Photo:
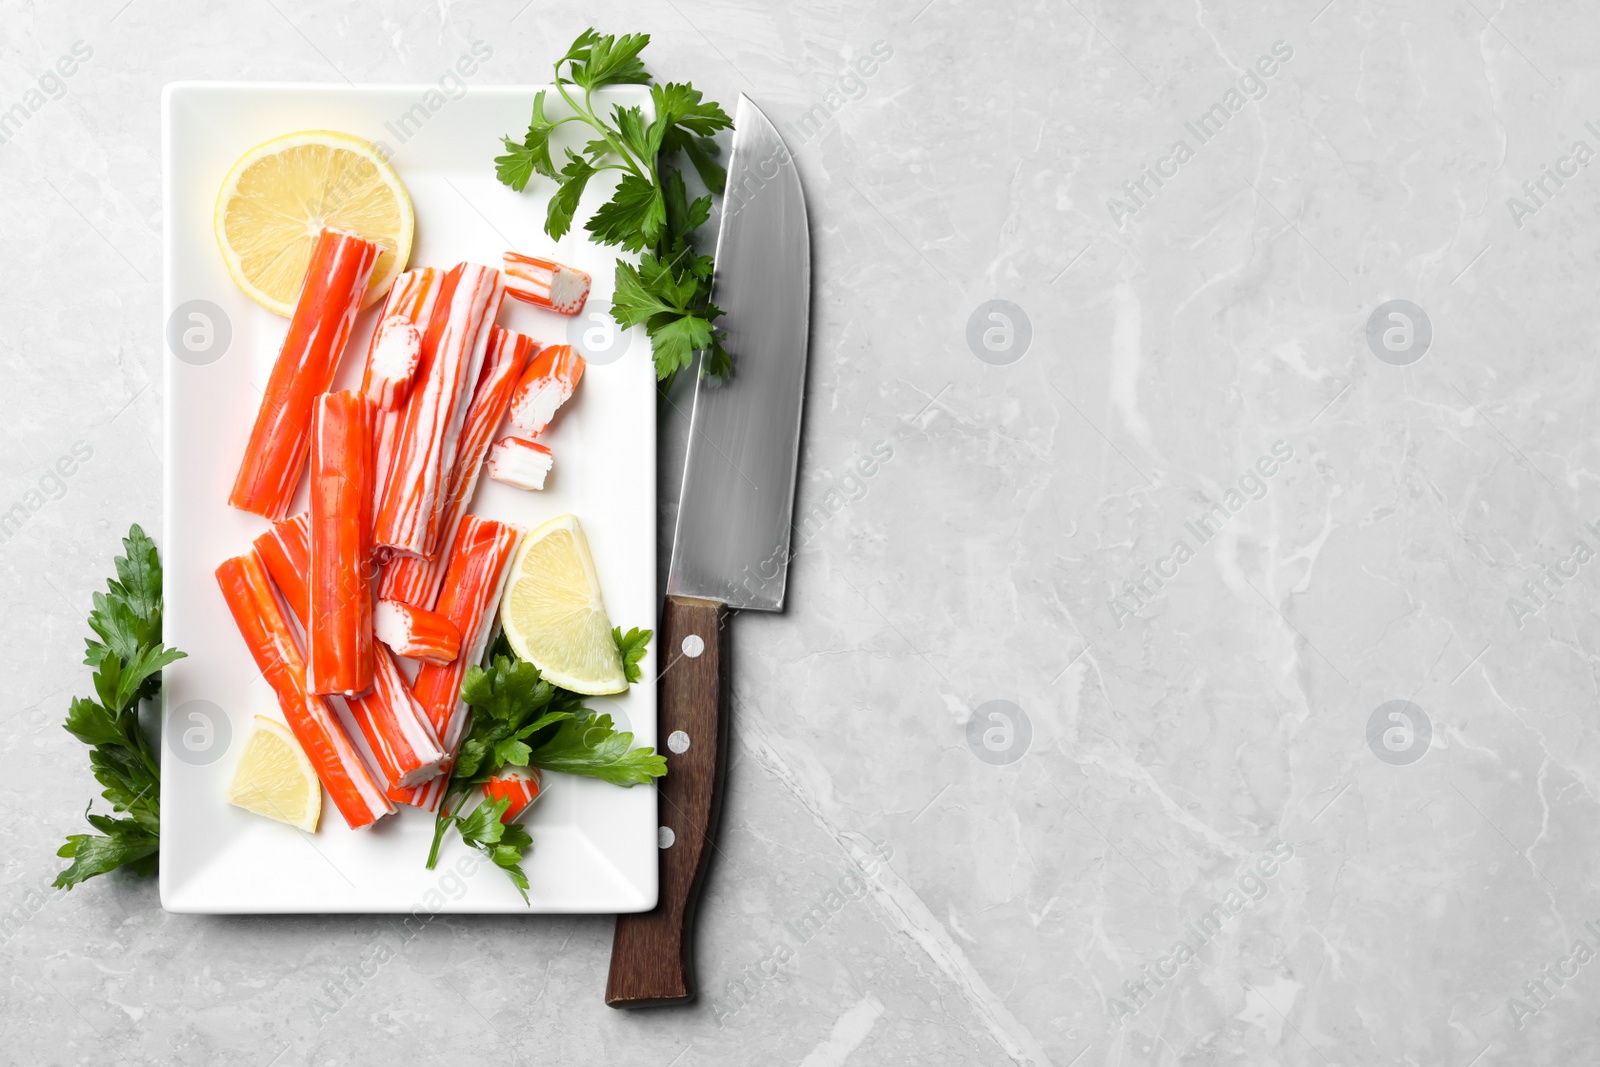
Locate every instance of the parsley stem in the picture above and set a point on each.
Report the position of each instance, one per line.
(440, 822)
(586, 114)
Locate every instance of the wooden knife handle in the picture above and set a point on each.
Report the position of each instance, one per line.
(652, 954)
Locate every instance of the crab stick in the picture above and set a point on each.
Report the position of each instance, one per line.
(425, 446)
(520, 785)
(520, 463)
(416, 633)
(415, 580)
(548, 383)
(339, 639)
(285, 552)
(330, 296)
(546, 283)
(402, 740)
(412, 301)
(259, 615)
(480, 559)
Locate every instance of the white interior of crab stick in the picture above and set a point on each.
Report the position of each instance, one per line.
(391, 624)
(568, 290)
(394, 359)
(537, 406)
(520, 463)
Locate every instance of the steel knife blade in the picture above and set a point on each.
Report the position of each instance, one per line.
(732, 537)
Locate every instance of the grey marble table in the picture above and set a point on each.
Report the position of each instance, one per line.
(1190, 658)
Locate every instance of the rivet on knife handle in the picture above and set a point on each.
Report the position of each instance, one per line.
(652, 954)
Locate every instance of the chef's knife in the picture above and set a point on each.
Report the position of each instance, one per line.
(730, 550)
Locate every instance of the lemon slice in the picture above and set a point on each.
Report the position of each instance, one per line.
(275, 779)
(281, 194)
(553, 615)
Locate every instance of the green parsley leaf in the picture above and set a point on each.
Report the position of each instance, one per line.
(483, 825)
(631, 646)
(645, 291)
(123, 843)
(93, 724)
(575, 177)
(682, 105)
(677, 339)
(702, 153)
(683, 217)
(587, 744)
(635, 131)
(665, 302)
(502, 843)
(633, 218)
(510, 702)
(687, 124)
(505, 689)
(594, 60)
(516, 166)
(513, 751)
(127, 616)
(532, 155)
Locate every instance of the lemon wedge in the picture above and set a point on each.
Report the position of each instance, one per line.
(553, 615)
(275, 779)
(281, 194)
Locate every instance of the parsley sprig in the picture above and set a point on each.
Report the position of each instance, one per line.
(521, 720)
(127, 655)
(650, 212)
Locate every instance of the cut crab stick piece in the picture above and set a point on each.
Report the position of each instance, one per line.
(416, 633)
(520, 463)
(480, 559)
(546, 283)
(285, 552)
(402, 740)
(548, 383)
(409, 519)
(259, 615)
(398, 731)
(339, 638)
(392, 362)
(520, 785)
(415, 580)
(330, 297)
(412, 300)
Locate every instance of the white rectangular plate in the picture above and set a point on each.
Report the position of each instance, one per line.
(594, 844)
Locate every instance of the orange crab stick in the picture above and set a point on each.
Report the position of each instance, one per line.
(411, 301)
(285, 552)
(330, 296)
(339, 639)
(520, 463)
(402, 740)
(415, 580)
(425, 448)
(398, 733)
(520, 785)
(546, 283)
(416, 633)
(259, 615)
(548, 383)
(480, 559)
